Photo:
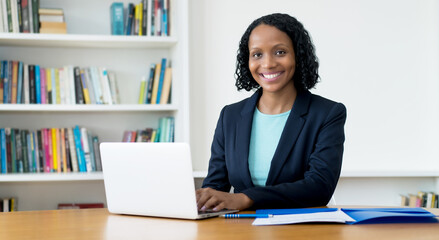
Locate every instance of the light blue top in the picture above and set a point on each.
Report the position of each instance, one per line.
(265, 135)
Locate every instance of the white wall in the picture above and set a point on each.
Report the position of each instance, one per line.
(379, 58)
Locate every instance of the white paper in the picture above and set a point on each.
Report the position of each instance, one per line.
(333, 217)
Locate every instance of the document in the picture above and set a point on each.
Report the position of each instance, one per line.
(334, 217)
(345, 215)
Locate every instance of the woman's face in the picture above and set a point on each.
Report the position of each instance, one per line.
(272, 60)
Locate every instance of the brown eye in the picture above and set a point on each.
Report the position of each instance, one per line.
(256, 55)
(280, 52)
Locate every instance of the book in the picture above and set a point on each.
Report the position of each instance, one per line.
(114, 89)
(43, 89)
(117, 18)
(129, 18)
(25, 151)
(86, 149)
(53, 27)
(54, 150)
(25, 16)
(345, 215)
(161, 79)
(78, 86)
(63, 150)
(96, 152)
(84, 86)
(140, 6)
(13, 152)
(4, 168)
(32, 97)
(150, 83)
(19, 151)
(166, 86)
(72, 147)
(91, 151)
(37, 84)
(79, 150)
(145, 17)
(105, 86)
(155, 85)
(20, 83)
(19, 16)
(142, 90)
(47, 165)
(14, 81)
(1, 81)
(35, 7)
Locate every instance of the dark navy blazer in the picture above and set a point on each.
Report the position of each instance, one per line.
(306, 164)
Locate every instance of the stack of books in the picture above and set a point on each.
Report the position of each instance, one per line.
(52, 20)
(23, 83)
(156, 87)
(164, 133)
(49, 150)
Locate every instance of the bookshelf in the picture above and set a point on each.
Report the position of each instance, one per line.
(89, 43)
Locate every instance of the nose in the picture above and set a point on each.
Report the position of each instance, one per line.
(268, 61)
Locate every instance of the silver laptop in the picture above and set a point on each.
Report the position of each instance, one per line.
(151, 179)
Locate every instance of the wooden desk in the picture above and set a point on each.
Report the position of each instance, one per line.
(100, 224)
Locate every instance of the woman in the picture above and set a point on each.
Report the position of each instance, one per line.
(283, 146)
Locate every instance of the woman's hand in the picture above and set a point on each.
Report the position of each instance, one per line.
(208, 198)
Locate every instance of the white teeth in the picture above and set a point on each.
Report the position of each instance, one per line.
(270, 76)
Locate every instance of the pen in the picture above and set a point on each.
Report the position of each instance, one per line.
(246, 215)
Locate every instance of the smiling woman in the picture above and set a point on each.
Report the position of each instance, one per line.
(283, 146)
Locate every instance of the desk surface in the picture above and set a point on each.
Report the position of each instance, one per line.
(100, 224)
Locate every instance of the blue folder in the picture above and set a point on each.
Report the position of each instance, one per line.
(367, 215)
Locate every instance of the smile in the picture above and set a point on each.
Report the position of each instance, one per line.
(270, 76)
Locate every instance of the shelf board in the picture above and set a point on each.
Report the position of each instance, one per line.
(55, 177)
(84, 41)
(385, 174)
(47, 177)
(86, 107)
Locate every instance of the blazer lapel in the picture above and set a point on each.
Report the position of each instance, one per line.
(289, 136)
(243, 134)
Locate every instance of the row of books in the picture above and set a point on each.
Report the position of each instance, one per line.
(49, 150)
(19, 16)
(23, 83)
(156, 88)
(164, 133)
(8, 204)
(422, 199)
(147, 18)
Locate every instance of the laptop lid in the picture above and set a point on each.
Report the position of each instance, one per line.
(150, 179)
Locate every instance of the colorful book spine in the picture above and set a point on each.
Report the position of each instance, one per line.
(46, 150)
(43, 89)
(54, 150)
(25, 151)
(37, 84)
(14, 81)
(32, 97)
(57, 86)
(4, 168)
(162, 77)
(91, 150)
(97, 155)
(58, 150)
(72, 148)
(86, 148)
(49, 85)
(26, 84)
(129, 21)
(54, 89)
(79, 151)
(13, 152)
(20, 83)
(117, 18)
(63, 150)
(36, 152)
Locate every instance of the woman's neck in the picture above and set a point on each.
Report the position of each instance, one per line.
(277, 103)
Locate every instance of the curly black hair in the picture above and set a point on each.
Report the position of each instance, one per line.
(307, 65)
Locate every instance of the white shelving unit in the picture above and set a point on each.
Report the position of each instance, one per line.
(89, 43)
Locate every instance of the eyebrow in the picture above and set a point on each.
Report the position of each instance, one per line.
(275, 46)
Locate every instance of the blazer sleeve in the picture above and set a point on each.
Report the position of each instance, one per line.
(321, 173)
(217, 177)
